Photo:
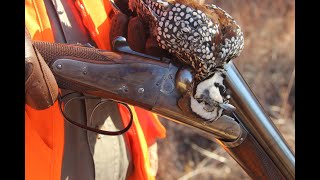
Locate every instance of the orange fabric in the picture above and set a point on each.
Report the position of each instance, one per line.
(37, 21)
(138, 145)
(44, 130)
(151, 126)
(44, 139)
(148, 128)
(95, 18)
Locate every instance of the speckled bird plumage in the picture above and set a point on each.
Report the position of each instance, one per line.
(204, 37)
(203, 41)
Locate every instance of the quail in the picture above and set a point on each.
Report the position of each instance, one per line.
(204, 37)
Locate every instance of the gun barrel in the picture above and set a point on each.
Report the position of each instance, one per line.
(253, 117)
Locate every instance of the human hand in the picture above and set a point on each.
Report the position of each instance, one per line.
(41, 89)
(133, 29)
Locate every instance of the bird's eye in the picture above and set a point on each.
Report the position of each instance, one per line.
(222, 89)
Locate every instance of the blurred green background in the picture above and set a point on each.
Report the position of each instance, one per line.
(267, 63)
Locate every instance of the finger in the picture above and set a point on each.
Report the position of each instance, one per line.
(136, 34)
(119, 26)
(152, 48)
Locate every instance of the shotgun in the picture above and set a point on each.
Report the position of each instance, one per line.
(159, 85)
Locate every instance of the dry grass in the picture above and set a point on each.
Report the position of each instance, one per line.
(267, 64)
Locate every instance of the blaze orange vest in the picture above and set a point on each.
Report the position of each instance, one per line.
(44, 130)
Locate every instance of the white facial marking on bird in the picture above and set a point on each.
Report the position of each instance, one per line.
(199, 109)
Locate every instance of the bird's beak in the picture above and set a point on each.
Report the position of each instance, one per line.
(227, 107)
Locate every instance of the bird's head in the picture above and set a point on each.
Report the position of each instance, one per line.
(211, 97)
